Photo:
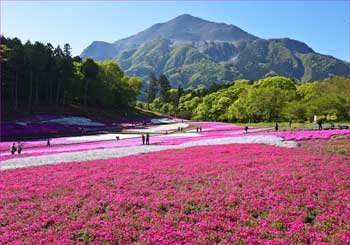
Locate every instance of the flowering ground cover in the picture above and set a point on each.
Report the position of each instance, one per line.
(211, 130)
(4, 146)
(41, 143)
(69, 144)
(58, 124)
(311, 134)
(47, 128)
(339, 145)
(173, 127)
(240, 194)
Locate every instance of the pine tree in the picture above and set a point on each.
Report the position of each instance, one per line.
(152, 88)
(179, 93)
(164, 87)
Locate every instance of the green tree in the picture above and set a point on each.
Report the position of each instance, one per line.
(15, 62)
(179, 93)
(34, 75)
(279, 82)
(90, 71)
(152, 88)
(67, 50)
(297, 111)
(164, 87)
(267, 103)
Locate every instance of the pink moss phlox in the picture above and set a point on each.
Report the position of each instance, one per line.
(250, 194)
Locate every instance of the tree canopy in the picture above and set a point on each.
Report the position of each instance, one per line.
(36, 74)
(270, 99)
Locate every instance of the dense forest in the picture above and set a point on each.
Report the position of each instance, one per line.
(38, 75)
(267, 100)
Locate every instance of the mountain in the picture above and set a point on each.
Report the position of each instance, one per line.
(184, 28)
(194, 52)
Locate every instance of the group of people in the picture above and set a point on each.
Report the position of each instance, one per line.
(18, 148)
(199, 129)
(276, 127)
(145, 139)
(179, 129)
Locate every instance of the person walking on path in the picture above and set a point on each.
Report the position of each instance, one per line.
(200, 129)
(319, 122)
(13, 148)
(290, 123)
(147, 139)
(276, 127)
(143, 139)
(246, 129)
(19, 147)
(197, 129)
(48, 144)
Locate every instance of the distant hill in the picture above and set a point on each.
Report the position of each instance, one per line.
(194, 52)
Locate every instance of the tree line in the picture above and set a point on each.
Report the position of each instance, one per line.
(38, 74)
(267, 100)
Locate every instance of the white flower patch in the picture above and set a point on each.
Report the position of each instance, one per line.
(182, 135)
(160, 128)
(81, 121)
(162, 120)
(101, 137)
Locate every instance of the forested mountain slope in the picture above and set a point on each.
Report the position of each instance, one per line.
(194, 52)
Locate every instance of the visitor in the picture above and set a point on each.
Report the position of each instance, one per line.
(147, 139)
(246, 129)
(48, 144)
(178, 129)
(143, 139)
(117, 138)
(332, 125)
(319, 122)
(290, 123)
(197, 129)
(276, 127)
(13, 148)
(200, 129)
(19, 147)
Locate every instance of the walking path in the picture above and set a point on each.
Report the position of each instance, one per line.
(107, 153)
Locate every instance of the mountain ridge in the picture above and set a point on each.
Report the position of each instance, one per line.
(185, 47)
(173, 30)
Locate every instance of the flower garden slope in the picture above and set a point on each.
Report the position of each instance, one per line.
(107, 153)
(249, 194)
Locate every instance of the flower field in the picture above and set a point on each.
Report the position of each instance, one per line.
(60, 124)
(310, 134)
(238, 194)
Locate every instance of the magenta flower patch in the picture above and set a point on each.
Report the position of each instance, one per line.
(250, 194)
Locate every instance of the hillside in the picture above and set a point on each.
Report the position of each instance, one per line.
(194, 52)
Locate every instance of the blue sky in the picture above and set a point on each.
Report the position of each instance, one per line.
(323, 25)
